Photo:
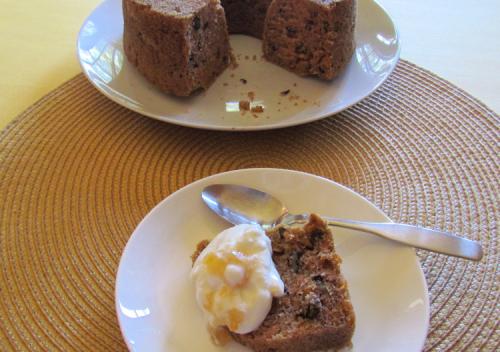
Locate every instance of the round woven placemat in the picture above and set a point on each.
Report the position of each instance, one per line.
(78, 172)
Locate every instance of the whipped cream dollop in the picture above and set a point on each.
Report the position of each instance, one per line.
(236, 280)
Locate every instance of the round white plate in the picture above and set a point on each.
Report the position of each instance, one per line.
(155, 300)
(103, 61)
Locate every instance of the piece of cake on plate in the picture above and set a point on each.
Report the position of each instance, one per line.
(275, 291)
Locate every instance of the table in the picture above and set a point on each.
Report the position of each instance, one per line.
(451, 38)
(79, 172)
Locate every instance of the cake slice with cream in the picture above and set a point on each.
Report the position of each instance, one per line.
(280, 291)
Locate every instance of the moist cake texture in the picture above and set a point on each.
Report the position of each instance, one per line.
(316, 313)
(183, 46)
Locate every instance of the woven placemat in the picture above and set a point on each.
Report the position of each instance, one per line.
(78, 172)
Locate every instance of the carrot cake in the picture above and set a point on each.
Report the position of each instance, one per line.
(183, 46)
(314, 312)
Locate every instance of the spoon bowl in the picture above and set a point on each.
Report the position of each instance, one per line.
(244, 205)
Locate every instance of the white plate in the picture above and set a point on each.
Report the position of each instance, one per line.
(155, 299)
(103, 61)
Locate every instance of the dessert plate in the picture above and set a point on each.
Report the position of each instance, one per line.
(155, 299)
(287, 98)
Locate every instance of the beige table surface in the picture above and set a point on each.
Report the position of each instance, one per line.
(456, 39)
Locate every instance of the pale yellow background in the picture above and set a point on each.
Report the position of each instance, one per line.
(457, 39)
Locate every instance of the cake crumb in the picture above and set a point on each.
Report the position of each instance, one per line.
(257, 108)
(285, 92)
(242, 80)
(225, 84)
(254, 58)
(233, 62)
(247, 57)
(251, 96)
(244, 105)
(295, 84)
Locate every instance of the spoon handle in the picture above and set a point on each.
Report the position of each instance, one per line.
(419, 237)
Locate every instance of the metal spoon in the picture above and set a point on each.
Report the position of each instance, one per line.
(244, 205)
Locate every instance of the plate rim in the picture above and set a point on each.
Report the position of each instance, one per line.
(175, 120)
(175, 194)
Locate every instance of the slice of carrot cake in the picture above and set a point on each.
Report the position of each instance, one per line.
(314, 311)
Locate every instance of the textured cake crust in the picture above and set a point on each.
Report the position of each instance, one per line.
(310, 37)
(179, 48)
(316, 312)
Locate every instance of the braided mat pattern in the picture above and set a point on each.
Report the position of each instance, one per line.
(78, 172)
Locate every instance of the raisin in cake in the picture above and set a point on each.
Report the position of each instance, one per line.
(315, 313)
(182, 46)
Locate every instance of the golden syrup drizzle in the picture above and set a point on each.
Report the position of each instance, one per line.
(208, 304)
(235, 317)
(216, 265)
(219, 335)
(225, 292)
(248, 248)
